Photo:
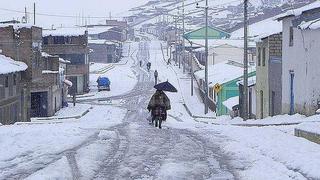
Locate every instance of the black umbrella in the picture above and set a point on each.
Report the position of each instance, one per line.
(166, 86)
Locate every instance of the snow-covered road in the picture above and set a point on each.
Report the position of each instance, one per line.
(145, 152)
(115, 141)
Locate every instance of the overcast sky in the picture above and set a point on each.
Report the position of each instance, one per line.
(93, 8)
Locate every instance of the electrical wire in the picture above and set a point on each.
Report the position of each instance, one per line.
(58, 15)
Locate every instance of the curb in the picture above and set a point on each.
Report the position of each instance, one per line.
(67, 117)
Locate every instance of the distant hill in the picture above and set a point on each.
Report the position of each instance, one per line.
(225, 14)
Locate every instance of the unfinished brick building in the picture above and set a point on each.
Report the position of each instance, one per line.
(71, 44)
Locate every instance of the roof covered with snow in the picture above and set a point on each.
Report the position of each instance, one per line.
(221, 73)
(251, 81)
(298, 11)
(17, 25)
(8, 65)
(101, 41)
(98, 29)
(314, 24)
(218, 42)
(73, 31)
(262, 28)
(231, 102)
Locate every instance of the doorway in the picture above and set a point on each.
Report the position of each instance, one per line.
(39, 104)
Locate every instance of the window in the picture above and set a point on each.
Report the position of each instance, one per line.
(259, 56)
(291, 36)
(6, 81)
(74, 58)
(263, 56)
(45, 40)
(14, 79)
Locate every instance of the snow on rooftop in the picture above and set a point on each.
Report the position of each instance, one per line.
(262, 28)
(73, 31)
(8, 65)
(98, 29)
(218, 42)
(17, 25)
(220, 73)
(100, 41)
(231, 102)
(298, 11)
(251, 81)
(314, 24)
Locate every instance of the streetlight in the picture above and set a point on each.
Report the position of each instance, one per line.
(206, 109)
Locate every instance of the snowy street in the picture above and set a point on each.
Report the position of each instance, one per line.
(114, 140)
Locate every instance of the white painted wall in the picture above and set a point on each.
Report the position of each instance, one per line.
(303, 57)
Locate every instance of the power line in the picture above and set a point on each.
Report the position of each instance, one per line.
(58, 15)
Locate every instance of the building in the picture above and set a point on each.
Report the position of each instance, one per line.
(71, 44)
(12, 91)
(300, 60)
(223, 83)
(103, 51)
(23, 42)
(252, 98)
(114, 34)
(269, 72)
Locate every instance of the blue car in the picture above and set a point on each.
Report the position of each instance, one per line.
(103, 84)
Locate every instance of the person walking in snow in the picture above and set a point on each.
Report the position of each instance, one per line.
(155, 77)
(149, 66)
(159, 104)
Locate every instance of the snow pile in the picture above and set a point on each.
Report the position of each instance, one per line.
(57, 170)
(275, 120)
(266, 153)
(310, 127)
(8, 65)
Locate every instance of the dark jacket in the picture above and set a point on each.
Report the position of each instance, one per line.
(159, 98)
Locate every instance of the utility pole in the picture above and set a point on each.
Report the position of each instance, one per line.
(25, 15)
(183, 41)
(206, 107)
(245, 63)
(34, 13)
(191, 69)
(175, 42)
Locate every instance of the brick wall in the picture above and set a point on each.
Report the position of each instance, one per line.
(10, 102)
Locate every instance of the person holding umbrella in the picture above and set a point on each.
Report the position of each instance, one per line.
(159, 103)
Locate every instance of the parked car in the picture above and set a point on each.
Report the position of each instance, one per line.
(103, 84)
